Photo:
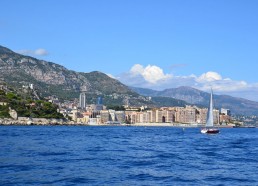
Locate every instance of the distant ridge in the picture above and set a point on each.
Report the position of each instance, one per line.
(194, 96)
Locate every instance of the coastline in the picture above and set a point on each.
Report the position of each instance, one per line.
(44, 121)
(61, 122)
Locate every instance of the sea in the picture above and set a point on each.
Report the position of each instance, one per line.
(127, 155)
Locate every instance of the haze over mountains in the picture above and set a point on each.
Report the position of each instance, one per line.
(53, 79)
(200, 98)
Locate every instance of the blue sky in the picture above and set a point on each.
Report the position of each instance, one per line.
(148, 43)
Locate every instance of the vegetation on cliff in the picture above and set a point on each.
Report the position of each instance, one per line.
(26, 107)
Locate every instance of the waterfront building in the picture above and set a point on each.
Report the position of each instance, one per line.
(216, 116)
(112, 115)
(225, 112)
(201, 115)
(153, 115)
(186, 115)
(104, 114)
(165, 116)
(131, 116)
(120, 116)
(224, 119)
(139, 117)
(147, 117)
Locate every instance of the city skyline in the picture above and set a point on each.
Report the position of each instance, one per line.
(150, 44)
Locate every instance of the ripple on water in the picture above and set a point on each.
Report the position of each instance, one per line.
(62, 155)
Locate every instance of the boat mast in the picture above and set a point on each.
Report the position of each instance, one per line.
(209, 122)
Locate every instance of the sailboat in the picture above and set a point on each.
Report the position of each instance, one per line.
(209, 127)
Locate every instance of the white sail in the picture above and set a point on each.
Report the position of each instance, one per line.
(209, 122)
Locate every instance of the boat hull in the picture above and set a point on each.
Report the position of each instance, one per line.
(210, 131)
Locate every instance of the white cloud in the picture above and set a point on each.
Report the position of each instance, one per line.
(37, 52)
(41, 52)
(137, 70)
(209, 77)
(153, 77)
(226, 86)
(151, 73)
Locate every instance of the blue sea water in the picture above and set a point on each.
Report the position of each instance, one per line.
(117, 155)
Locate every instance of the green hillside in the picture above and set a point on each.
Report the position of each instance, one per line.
(26, 107)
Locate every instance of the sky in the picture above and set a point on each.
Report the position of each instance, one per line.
(157, 44)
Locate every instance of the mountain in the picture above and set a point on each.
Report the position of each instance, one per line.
(146, 91)
(190, 95)
(53, 79)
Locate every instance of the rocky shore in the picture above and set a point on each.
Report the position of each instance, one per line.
(35, 121)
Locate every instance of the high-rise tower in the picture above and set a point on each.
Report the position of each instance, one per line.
(99, 105)
(82, 100)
